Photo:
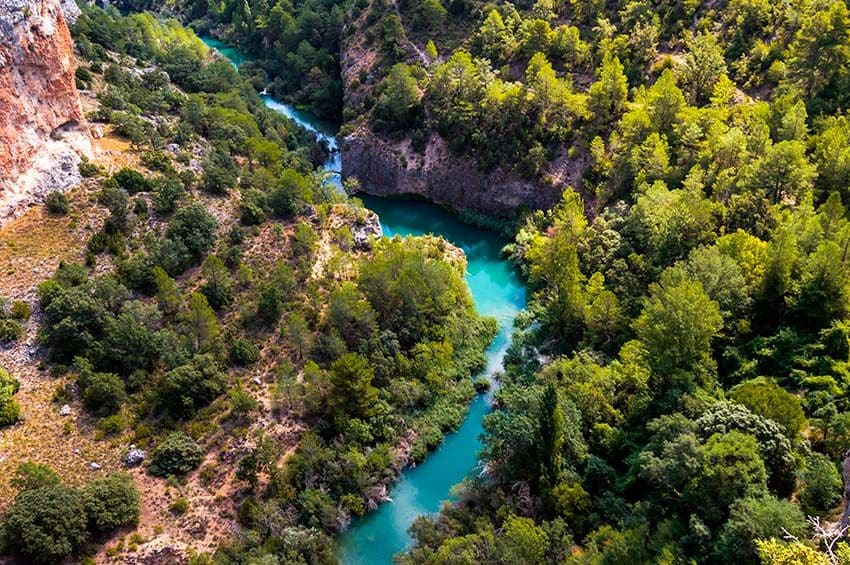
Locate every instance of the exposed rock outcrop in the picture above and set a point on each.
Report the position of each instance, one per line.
(388, 168)
(41, 134)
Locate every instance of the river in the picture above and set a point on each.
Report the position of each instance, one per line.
(497, 291)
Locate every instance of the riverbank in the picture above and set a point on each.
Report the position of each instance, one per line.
(496, 290)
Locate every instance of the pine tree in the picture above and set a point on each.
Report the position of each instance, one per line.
(201, 323)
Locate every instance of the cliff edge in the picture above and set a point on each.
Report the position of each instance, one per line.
(41, 120)
(390, 167)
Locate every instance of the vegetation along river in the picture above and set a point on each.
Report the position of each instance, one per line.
(497, 291)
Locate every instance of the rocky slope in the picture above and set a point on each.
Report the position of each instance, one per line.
(41, 132)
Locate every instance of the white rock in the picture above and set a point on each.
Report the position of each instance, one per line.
(65, 410)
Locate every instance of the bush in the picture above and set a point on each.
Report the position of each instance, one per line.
(157, 161)
(191, 386)
(57, 203)
(20, 310)
(31, 476)
(821, 488)
(179, 506)
(10, 330)
(46, 524)
(177, 454)
(195, 228)
(112, 425)
(243, 352)
(10, 412)
(132, 181)
(104, 393)
(111, 502)
(89, 169)
(756, 518)
(168, 193)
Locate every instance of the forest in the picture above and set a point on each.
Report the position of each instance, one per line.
(227, 253)
(676, 390)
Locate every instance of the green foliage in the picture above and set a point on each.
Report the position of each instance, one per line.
(194, 228)
(10, 330)
(185, 388)
(131, 181)
(398, 106)
(176, 454)
(46, 524)
(20, 310)
(821, 485)
(111, 502)
(30, 476)
(676, 326)
(352, 393)
(219, 285)
(243, 353)
(10, 411)
(767, 399)
(104, 393)
(57, 203)
(752, 519)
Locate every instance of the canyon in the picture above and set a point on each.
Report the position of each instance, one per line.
(42, 127)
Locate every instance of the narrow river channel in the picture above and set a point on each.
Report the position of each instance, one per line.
(497, 291)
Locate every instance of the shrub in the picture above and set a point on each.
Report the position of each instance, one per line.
(112, 425)
(132, 181)
(20, 310)
(177, 454)
(157, 161)
(111, 502)
(46, 524)
(756, 518)
(89, 169)
(179, 506)
(191, 386)
(10, 412)
(821, 488)
(10, 330)
(104, 393)
(168, 193)
(243, 352)
(31, 476)
(195, 228)
(270, 304)
(57, 203)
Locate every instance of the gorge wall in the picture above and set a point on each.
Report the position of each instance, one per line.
(393, 168)
(41, 120)
(387, 167)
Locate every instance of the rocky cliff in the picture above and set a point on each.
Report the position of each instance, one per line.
(393, 168)
(387, 167)
(41, 132)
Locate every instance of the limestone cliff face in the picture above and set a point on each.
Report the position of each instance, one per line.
(386, 167)
(40, 112)
(391, 168)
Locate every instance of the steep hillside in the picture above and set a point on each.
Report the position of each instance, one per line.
(41, 131)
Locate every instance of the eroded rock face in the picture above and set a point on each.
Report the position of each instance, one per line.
(389, 168)
(41, 134)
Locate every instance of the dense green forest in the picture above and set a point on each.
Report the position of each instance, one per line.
(676, 391)
(296, 45)
(226, 254)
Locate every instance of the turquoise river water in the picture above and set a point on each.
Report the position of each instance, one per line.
(497, 291)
